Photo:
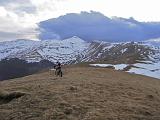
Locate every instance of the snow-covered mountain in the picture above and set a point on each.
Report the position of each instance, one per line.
(133, 57)
(64, 51)
(138, 57)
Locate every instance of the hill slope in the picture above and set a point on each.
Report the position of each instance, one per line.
(84, 93)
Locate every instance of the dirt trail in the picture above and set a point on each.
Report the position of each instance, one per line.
(84, 93)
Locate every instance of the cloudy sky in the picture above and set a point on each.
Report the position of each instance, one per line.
(18, 18)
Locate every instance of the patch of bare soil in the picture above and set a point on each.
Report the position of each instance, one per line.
(84, 93)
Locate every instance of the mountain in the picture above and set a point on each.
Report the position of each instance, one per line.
(77, 50)
(84, 93)
(139, 57)
(34, 51)
(95, 26)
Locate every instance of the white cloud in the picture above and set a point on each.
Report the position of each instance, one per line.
(143, 10)
(17, 23)
(3, 12)
(20, 17)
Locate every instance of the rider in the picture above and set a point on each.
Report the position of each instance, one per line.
(57, 67)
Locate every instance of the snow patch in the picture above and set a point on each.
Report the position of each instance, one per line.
(117, 67)
(146, 72)
(124, 50)
(151, 70)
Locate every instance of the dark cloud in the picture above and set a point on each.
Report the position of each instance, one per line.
(96, 26)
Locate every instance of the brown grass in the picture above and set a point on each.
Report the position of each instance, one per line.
(84, 93)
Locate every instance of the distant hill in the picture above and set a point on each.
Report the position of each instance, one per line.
(96, 26)
(14, 68)
(84, 93)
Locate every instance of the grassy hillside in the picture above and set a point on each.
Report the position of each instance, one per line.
(84, 93)
(14, 68)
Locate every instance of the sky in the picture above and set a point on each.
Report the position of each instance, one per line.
(19, 18)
